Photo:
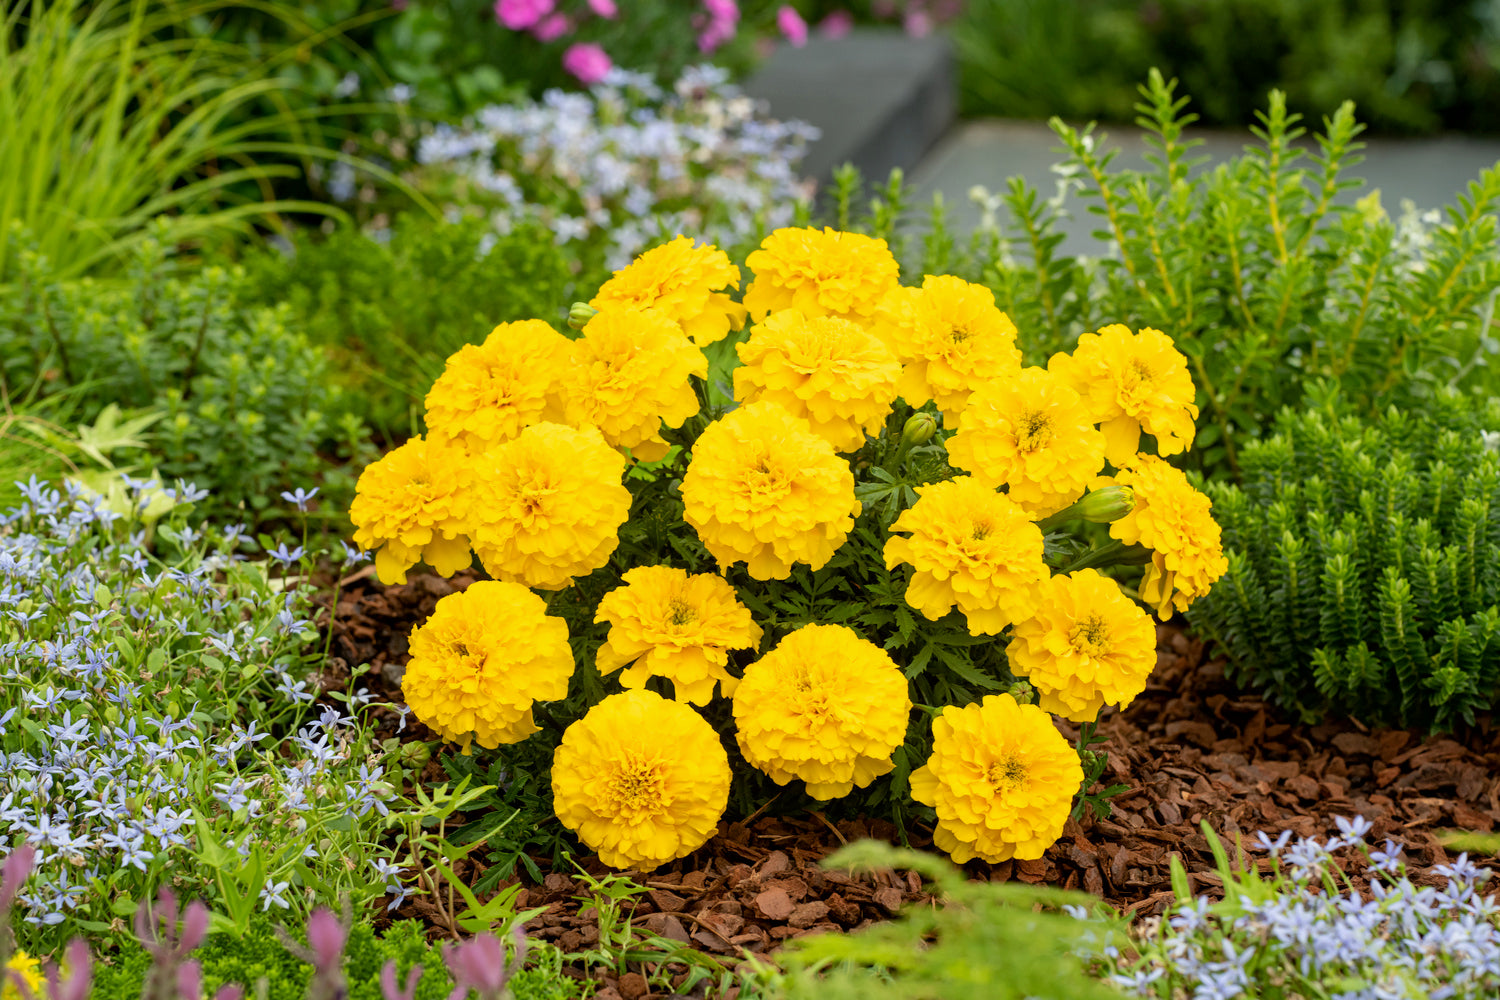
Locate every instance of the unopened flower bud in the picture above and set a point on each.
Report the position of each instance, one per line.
(415, 755)
(1023, 692)
(1108, 504)
(580, 314)
(919, 429)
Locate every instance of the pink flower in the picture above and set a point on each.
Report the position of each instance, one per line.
(836, 25)
(552, 27)
(917, 23)
(604, 8)
(792, 26)
(588, 62)
(723, 10)
(717, 33)
(518, 15)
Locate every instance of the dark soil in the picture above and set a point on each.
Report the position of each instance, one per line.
(1192, 748)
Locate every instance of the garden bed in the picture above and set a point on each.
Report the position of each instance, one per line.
(1191, 748)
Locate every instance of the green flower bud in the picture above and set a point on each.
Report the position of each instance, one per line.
(1109, 504)
(1023, 692)
(919, 429)
(415, 755)
(580, 314)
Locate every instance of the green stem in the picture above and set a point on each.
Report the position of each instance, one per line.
(1115, 553)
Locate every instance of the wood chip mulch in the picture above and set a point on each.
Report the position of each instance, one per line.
(1192, 748)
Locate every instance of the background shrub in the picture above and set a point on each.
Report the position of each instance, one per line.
(391, 310)
(1410, 65)
(1364, 565)
(245, 398)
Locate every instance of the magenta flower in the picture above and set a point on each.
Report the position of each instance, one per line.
(836, 25)
(793, 28)
(588, 62)
(604, 8)
(722, 10)
(552, 27)
(518, 15)
(715, 34)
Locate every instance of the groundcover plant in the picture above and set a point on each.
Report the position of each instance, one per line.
(876, 516)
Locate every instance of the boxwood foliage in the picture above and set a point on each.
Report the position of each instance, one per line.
(1364, 563)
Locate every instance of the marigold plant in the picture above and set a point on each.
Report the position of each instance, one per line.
(820, 273)
(825, 707)
(1032, 434)
(641, 780)
(630, 374)
(1001, 778)
(489, 392)
(548, 506)
(973, 548)
(829, 371)
(1088, 645)
(683, 281)
(764, 489)
(665, 623)
(1133, 382)
(413, 505)
(482, 659)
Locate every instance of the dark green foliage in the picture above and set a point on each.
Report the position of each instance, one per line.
(1413, 65)
(392, 310)
(1363, 563)
(245, 398)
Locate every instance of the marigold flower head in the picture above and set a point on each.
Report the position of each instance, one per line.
(1176, 523)
(669, 624)
(950, 339)
(1032, 434)
(824, 706)
(1088, 645)
(763, 488)
(641, 780)
(629, 374)
(826, 273)
(682, 281)
(1132, 381)
(1002, 779)
(972, 547)
(549, 505)
(413, 505)
(826, 370)
(482, 659)
(488, 392)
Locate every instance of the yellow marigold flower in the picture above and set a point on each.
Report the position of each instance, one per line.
(826, 707)
(488, 392)
(680, 627)
(1002, 779)
(413, 505)
(763, 488)
(30, 971)
(1132, 381)
(1176, 523)
(1087, 645)
(480, 662)
(826, 370)
(1031, 434)
(950, 338)
(549, 505)
(972, 547)
(630, 373)
(826, 273)
(681, 280)
(641, 780)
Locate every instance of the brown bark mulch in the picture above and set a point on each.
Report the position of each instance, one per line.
(1191, 748)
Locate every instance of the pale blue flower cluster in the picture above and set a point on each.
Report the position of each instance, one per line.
(1306, 932)
(628, 163)
(144, 666)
